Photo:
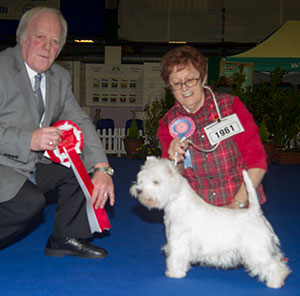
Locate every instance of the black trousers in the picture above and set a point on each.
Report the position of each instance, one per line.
(70, 215)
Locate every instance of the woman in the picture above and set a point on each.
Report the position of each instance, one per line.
(213, 169)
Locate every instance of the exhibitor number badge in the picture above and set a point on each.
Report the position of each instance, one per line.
(226, 128)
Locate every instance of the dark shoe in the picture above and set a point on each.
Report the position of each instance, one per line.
(73, 247)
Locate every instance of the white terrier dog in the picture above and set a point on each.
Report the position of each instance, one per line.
(198, 232)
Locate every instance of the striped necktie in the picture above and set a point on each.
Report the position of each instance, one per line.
(38, 95)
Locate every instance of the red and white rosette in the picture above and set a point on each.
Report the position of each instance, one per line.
(67, 154)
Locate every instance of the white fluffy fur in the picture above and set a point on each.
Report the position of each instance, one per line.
(198, 232)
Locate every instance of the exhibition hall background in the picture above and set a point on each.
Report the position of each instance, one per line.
(137, 33)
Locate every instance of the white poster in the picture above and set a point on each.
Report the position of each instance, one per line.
(14, 9)
(77, 73)
(114, 85)
(154, 86)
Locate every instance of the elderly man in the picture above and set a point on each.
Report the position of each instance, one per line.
(26, 132)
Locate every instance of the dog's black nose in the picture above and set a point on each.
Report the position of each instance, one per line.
(139, 191)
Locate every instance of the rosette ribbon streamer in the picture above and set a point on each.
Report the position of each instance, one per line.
(183, 128)
(67, 154)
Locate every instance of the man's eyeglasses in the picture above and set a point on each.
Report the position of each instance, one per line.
(189, 83)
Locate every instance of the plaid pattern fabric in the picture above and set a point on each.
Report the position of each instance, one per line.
(215, 176)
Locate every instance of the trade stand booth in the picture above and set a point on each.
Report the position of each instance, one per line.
(280, 49)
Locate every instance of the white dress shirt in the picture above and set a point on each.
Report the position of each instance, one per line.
(31, 74)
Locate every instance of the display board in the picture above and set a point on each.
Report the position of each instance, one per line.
(101, 85)
(114, 85)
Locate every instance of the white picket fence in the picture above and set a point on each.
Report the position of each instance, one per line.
(112, 141)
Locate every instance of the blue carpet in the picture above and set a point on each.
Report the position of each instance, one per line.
(136, 264)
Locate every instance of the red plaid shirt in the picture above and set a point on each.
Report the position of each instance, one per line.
(216, 176)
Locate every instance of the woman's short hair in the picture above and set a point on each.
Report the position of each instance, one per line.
(182, 56)
(22, 29)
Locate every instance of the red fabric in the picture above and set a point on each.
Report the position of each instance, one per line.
(220, 171)
(68, 144)
(100, 214)
(68, 140)
(249, 142)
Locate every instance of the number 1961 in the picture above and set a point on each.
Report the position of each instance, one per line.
(224, 131)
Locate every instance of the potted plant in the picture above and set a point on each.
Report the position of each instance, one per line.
(287, 127)
(146, 150)
(260, 106)
(133, 139)
(282, 106)
(277, 113)
(154, 111)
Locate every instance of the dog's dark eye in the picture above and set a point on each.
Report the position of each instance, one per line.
(155, 182)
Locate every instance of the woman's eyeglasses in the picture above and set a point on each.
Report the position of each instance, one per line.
(189, 83)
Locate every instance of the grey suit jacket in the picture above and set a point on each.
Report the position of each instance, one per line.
(19, 118)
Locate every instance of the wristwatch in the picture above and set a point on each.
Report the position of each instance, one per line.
(240, 204)
(107, 170)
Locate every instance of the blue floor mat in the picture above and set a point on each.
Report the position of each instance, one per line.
(136, 264)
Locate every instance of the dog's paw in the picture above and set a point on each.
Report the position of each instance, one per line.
(175, 274)
(277, 281)
(275, 284)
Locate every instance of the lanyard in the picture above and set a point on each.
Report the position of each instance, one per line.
(221, 130)
(215, 101)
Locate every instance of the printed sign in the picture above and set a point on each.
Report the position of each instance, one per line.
(228, 69)
(219, 131)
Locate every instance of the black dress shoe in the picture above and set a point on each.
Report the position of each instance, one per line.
(73, 247)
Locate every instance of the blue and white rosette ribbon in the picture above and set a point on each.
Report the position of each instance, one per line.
(183, 128)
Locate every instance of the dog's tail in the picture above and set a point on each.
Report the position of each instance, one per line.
(252, 195)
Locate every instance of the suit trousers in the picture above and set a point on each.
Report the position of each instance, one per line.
(70, 215)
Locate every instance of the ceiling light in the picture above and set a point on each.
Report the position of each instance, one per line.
(177, 42)
(83, 41)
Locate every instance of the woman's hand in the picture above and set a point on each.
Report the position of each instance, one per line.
(177, 149)
(256, 175)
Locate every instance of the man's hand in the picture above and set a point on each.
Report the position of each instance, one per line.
(103, 190)
(45, 138)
